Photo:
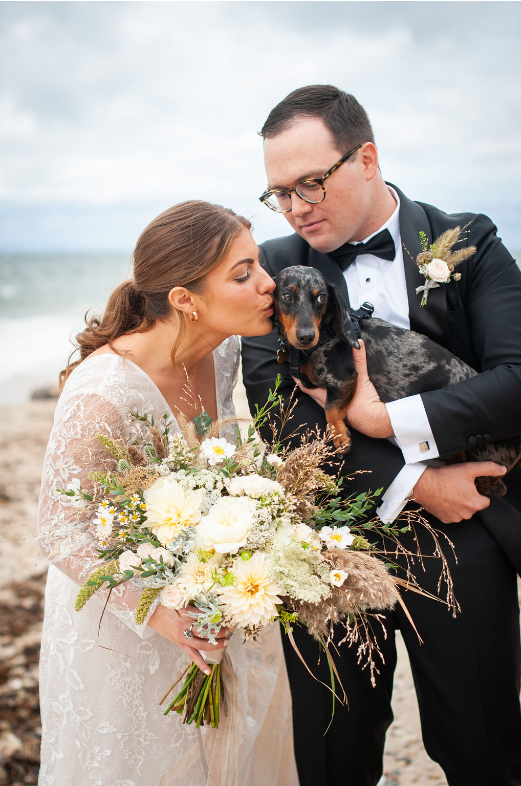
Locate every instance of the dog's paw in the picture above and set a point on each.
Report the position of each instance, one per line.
(342, 442)
(489, 486)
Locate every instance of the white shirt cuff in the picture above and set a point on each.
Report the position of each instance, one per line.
(412, 429)
(397, 494)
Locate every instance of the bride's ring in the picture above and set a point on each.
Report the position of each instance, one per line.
(187, 633)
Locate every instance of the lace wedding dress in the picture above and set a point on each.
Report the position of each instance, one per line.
(101, 683)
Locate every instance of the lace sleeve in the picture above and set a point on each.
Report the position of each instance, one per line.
(65, 532)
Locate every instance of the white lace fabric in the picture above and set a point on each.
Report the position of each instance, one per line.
(100, 684)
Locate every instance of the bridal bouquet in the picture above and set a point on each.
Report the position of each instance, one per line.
(246, 536)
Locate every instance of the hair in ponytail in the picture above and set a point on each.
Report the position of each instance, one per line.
(179, 248)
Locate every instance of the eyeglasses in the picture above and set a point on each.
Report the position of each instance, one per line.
(312, 191)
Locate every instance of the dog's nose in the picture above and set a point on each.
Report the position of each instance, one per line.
(305, 336)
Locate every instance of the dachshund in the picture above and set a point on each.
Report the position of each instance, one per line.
(317, 331)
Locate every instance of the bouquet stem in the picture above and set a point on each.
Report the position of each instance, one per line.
(199, 698)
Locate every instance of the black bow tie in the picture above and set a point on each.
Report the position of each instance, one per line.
(381, 245)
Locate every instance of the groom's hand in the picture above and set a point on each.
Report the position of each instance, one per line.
(450, 494)
(365, 412)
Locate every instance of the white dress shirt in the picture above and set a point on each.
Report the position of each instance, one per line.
(382, 283)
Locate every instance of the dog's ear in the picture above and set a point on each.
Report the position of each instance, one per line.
(340, 318)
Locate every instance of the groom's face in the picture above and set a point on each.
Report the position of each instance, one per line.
(307, 150)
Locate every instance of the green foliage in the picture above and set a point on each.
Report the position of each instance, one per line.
(344, 512)
(287, 618)
(94, 582)
(113, 448)
(202, 422)
(143, 607)
(424, 241)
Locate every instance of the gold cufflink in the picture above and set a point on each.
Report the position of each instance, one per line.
(424, 447)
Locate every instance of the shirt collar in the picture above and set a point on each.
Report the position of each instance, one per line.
(392, 224)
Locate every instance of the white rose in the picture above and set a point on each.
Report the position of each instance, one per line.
(274, 460)
(172, 597)
(128, 560)
(253, 486)
(438, 271)
(145, 550)
(303, 533)
(216, 450)
(226, 526)
(337, 577)
(168, 557)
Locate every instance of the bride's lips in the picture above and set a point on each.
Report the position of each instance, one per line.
(268, 310)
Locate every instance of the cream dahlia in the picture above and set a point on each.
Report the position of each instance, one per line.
(170, 508)
(196, 576)
(253, 599)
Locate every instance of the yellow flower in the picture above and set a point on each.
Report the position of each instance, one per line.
(170, 508)
(253, 599)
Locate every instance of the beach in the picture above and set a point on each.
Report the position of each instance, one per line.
(24, 431)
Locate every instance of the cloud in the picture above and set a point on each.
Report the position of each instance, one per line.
(111, 110)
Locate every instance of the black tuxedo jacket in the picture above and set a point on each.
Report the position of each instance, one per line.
(478, 318)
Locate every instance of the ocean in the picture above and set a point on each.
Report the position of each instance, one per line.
(43, 300)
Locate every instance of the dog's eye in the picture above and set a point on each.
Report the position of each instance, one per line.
(321, 299)
(287, 297)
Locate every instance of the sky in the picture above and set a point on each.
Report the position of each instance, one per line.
(110, 112)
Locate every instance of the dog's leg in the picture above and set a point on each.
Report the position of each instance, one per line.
(335, 409)
(342, 435)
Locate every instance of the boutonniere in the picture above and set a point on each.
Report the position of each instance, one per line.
(437, 261)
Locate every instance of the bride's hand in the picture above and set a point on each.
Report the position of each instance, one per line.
(172, 624)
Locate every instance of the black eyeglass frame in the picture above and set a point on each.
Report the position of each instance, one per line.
(320, 180)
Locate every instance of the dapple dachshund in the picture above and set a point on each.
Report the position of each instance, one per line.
(317, 331)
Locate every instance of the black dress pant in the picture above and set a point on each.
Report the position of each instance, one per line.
(466, 674)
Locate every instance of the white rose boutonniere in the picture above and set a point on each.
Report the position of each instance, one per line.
(438, 271)
(437, 261)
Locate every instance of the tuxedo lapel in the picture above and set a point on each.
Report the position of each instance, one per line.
(431, 319)
(329, 269)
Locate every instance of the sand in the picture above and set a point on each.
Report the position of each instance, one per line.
(24, 432)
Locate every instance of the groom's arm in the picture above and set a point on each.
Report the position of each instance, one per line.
(485, 407)
(489, 403)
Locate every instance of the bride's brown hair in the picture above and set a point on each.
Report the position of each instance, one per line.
(178, 248)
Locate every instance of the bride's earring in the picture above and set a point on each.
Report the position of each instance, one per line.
(193, 316)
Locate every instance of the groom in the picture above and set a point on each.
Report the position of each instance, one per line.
(467, 670)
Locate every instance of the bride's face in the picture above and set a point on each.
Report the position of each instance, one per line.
(237, 296)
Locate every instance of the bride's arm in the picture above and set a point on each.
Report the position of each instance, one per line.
(65, 533)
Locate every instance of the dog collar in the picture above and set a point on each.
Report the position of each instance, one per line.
(290, 354)
(364, 312)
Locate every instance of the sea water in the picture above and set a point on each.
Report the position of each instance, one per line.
(43, 300)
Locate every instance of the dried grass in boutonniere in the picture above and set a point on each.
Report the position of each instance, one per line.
(437, 261)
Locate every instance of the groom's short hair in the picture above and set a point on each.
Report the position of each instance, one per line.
(341, 113)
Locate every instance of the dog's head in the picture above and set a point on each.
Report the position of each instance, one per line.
(305, 302)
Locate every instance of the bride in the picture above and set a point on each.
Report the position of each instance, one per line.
(197, 285)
